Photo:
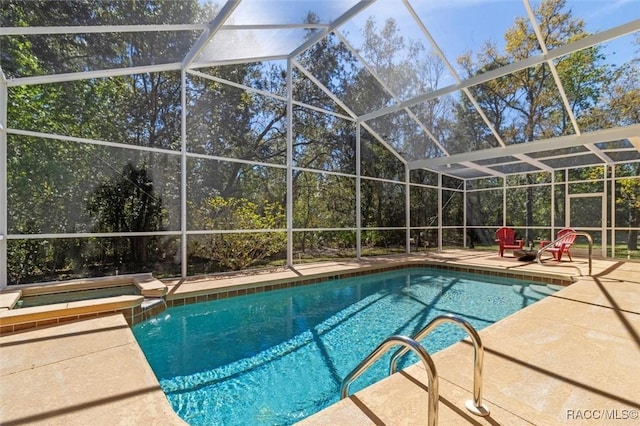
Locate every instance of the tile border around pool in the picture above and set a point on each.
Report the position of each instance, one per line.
(233, 290)
(13, 321)
(152, 307)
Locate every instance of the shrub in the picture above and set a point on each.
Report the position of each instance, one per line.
(239, 250)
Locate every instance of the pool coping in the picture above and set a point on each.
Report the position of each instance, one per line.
(61, 404)
(566, 359)
(188, 291)
(158, 295)
(83, 372)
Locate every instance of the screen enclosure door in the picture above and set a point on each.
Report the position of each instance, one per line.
(588, 213)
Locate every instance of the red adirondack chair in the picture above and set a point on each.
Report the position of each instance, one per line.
(563, 245)
(506, 239)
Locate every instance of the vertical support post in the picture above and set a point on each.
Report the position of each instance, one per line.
(407, 206)
(358, 195)
(439, 211)
(504, 201)
(553, 202)
(3, 180)
(613, 211)
(605, 213)
(464, 214)
(289, 206)
(183, 174)
(567, 204)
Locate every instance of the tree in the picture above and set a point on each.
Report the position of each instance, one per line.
(128, 205)
(50, 180)
(617, 105)
(628, 199)
(239, 250)
(525, 106)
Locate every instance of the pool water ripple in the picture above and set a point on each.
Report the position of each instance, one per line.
(275, 358)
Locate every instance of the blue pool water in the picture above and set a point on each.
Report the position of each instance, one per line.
(275, 358)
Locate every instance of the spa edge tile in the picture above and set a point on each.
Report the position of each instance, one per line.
(47, 322)
(6, 329)
(24, 326)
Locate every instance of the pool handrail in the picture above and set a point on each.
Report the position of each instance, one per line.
(475, 406)
(409, 344)
(566, 236)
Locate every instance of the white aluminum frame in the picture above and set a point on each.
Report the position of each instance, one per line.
(3, 179)
(189, 65)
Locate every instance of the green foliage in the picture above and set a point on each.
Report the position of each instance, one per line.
(323, 245)
(629, 193)
(375, 242)
(25, 260)
(323, 201)
(128, 204)
(484, 209)
(59, 186)
(239, 250)
(383, 203)
(452, 208)
(628, 201)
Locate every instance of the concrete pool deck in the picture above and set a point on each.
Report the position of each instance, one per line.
(567, 359)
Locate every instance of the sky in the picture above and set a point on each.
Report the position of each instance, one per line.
(458, 26)
(462, 25)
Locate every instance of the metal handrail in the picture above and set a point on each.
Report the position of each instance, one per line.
(475, 405)
(566, 236)
(409, 344)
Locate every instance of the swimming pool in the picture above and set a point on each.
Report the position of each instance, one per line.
(280, 356)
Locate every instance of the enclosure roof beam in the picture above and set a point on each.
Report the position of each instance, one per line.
(452, 71)
(556, 77)
(598, 153)
(236, 85)
(208, 33)
(384, 142)
(324, 88)
(88, 75)
(219, 63)
(606, 135)
(334, 98)
(390, 92)
(552, 67)
(265, 93)
(357, 8)
(99, 29)
(482, 169)
(52, 136)
(534, 162)
(103, 29)
(583, 43)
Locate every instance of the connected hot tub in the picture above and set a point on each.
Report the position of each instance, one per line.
(30, 306)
